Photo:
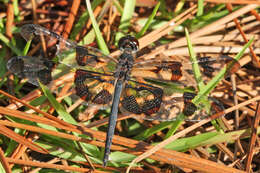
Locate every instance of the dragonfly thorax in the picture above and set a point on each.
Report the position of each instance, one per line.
(124, 66)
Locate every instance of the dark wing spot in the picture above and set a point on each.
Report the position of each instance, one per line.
(81, 89)
(189, 108)
(216, 106)
(83, 56)
(188, 96)
(45, 76)
(176, 70)
(103, 97)
(148, 107)
(151, 106)
(131, 105)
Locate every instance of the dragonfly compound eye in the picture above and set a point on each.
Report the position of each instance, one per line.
(128, 43)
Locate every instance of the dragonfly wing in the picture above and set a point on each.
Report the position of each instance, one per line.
(32, 68)
(211, 66)
(180, 71)
(69, 53)
(87, 58)
(92, 87)
(153, 103)
(164, 71)
(85, 78)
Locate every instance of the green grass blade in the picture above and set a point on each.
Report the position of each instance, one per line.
(175, 125)
(187, 143)
(127, 15)
(57, 106)
(10, 45)
(118, 7)
(27, 47)
(208, 138)
(2, 64)
(16, 7)
(149, 21)
(151, 131)
(195, 65)
(101, 42)
(179, 6)
(200, 7)
(89, 38)
(82, 20)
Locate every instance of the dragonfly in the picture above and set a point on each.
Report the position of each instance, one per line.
(126, 84)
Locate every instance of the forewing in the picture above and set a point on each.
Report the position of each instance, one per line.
(155, 103)
(180, 70)
(69, 52)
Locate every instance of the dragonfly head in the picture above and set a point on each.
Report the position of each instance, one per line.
(128, 44)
